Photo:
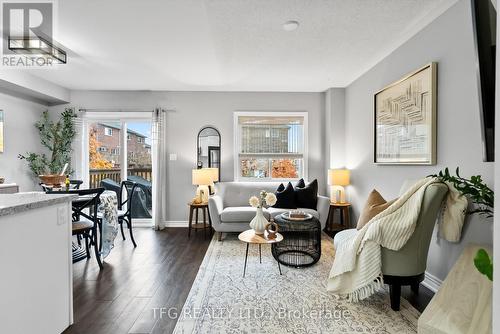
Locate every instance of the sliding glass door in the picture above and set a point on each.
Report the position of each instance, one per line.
(139, 165)
(120, 149)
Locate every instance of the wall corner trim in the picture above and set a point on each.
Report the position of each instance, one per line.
(432, 282)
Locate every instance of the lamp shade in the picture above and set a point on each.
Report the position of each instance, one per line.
(202, 177)
(214, 174)
(338, 177)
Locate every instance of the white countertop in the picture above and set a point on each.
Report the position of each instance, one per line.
(7, 185)
(14, 203)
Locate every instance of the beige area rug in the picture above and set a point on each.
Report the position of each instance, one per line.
(222, 301)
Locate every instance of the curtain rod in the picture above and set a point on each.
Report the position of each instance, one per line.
(116, 110)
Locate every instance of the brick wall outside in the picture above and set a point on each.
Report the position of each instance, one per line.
(138, 153)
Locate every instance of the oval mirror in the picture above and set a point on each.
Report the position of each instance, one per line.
(208, 148)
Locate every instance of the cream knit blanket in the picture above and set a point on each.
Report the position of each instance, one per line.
(357, 268)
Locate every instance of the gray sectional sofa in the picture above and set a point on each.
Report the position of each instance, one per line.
(231, 212)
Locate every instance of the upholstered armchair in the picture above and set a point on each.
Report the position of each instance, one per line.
(407, 265)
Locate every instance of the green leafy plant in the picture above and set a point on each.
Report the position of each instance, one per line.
(484, 264)
(481, 195)
(57, 138)
(474, 188)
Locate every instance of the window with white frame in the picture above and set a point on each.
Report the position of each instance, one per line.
(270, 145)
(108, 131)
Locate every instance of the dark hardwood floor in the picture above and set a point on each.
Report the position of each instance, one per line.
(128, 294)
(123, 297)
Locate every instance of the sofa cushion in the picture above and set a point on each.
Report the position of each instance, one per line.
(307, 197)
(374, 205)
(240, 214)
(278, 211)
(300, 184)
(238, 193)
(281, 187)
(285, 197)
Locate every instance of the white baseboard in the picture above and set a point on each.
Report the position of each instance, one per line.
(176, 223)
(432, 282)
(148, 223)
(142, 222)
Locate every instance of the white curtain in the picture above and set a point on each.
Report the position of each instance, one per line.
(159, 168)
(80, 157)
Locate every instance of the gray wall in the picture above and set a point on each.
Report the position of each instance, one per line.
(448, 41)
(193, 110)
(335, 130)
(20, 136)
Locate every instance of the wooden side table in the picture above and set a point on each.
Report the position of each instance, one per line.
(194, 207)
(344, 217)
(249, 237)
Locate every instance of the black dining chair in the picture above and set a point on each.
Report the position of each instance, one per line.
(85, 221)
(75, 184)
(125, 207)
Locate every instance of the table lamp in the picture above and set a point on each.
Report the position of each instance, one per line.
(202, 178)
(214, 175)
(338, 178)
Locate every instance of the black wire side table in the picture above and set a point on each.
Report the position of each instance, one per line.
(301, 246)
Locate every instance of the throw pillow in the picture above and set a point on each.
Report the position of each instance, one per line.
(374, 205)
(307, 196)
(300, 184)
(285, 197)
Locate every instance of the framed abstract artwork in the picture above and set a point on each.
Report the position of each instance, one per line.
(1, 131)
(405, 119)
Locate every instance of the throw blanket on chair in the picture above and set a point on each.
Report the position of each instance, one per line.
(357, 268)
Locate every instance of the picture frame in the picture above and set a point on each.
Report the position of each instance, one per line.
(405, 117)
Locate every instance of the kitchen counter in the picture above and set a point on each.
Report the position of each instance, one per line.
(36, 262)
(20, 202)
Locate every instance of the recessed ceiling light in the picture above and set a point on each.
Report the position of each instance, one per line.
(290, 25)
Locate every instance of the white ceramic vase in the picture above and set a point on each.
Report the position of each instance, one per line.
(259, 222)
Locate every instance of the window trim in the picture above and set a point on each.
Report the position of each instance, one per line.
(106, 128)
(269, 113)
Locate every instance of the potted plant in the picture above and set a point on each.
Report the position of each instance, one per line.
(481, 195)
(56, 137)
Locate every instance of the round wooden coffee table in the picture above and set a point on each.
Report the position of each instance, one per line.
(249, 237)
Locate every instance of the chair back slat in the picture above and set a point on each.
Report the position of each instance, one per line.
(127, 187)
(75, 184)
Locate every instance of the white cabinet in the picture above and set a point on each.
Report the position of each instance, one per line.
(36, 270)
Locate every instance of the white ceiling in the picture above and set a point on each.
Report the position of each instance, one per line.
(229, 45)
